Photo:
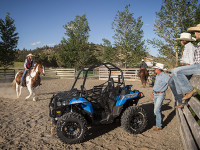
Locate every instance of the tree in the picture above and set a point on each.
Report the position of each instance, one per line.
(8, 42)
(175, 17)
(109, 54)
(76, 51)
(128, 37)
(197, 16)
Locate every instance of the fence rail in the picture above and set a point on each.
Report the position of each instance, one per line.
(7, 73)
(61, 73)
(70, 73)
(129, 73)
(188, 118)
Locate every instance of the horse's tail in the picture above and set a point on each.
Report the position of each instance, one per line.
(14, 84)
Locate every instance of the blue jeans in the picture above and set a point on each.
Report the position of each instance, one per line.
(178, 97)
(158, 99)
(182, 84)
(25, 71)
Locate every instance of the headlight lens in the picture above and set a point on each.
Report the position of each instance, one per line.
(64, 103)
(58, 103)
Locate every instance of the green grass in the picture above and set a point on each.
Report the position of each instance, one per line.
(18, 64)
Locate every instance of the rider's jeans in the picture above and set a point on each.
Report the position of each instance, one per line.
(25, 71)
(158, 99)
(183, 85)
(178, 97)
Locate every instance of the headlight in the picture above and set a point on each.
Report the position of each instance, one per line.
(58, 103)
(64, 103)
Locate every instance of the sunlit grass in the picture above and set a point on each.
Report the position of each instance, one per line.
(18, 65)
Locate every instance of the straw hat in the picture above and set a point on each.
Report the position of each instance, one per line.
(29, 55)
(192, 29)
(158, 66)
(186, 37)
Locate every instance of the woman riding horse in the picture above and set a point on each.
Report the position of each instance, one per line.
(28, 64)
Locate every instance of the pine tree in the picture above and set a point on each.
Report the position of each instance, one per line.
(8, 42)
(128, 37)
(76, 51)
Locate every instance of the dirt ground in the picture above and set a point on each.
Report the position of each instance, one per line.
(25, 124)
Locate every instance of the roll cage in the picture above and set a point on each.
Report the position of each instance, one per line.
(110, 68)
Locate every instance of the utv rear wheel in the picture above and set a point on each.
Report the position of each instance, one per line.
(134, 120)
(71, 128)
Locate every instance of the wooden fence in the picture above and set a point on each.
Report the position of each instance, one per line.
(130, 74)
(69, 73)
(189, 120)
(8, 74)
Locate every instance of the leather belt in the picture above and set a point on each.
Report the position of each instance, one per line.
(158, 92)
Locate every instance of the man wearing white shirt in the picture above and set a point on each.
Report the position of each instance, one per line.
(187, 59)
(188, 49)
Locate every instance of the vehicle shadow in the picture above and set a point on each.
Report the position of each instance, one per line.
(99, 130)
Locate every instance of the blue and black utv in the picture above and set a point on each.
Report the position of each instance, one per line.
(75, 110)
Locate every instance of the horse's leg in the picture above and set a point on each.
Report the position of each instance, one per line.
(145, 82)
(17, 89)
(20, 89)
(34, 95)
(30, 91)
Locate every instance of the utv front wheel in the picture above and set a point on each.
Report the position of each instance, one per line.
(71, 128)
(134, 120)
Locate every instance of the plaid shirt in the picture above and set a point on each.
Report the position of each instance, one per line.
(197, 54)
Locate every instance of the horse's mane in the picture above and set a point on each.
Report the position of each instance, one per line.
(35, 67)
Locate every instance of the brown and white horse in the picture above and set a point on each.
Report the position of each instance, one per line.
(31, 81)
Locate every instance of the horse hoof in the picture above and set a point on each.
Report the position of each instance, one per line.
(35, 99)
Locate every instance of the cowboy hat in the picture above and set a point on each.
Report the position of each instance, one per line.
(29, 55)
(158, 66)
(186, 37)
(191, 29)
(142, 59)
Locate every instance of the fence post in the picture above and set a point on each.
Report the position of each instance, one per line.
(14, 73)
(4, 73)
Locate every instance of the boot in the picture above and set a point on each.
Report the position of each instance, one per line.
(188, 95)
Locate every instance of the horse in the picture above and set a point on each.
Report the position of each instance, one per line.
(31, 81)
(143, 74)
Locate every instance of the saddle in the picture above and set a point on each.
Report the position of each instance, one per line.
(19, 77)
(37, 79)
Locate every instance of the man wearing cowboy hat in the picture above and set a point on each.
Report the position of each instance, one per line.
(158, 94)
(144, 66)
(183, 85)
(28, 64)
(188, 48)
(187, 59)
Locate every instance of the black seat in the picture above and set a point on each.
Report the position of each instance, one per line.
(110, 85)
